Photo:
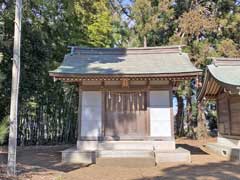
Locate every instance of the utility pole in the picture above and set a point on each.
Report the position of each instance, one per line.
(12, 142)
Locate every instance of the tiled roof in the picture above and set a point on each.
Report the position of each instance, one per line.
(226, 70)
(131, 61)
(223, 72)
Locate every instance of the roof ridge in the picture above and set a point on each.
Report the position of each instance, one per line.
(226, 61)
(123, 51)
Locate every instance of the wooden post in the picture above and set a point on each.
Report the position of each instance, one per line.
(79, 112)
(12, 143)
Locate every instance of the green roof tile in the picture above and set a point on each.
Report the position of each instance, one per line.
(110, 61)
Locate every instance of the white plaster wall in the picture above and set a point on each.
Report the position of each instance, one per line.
(91, 116)
(160, 114)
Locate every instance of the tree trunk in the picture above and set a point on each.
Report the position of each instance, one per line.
(145, 41)
(180, 116)
(11, 170)
(191, 133)
(201, 128)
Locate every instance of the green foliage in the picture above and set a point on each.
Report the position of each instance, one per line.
(4, 129)
(197, 22)
(227, 48)
(153, 20)
(48, 109)
(89, 22)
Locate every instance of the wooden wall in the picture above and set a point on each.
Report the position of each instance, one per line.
(228, 114)
(139, 111)
(223, 114)
(126, 114)
(235, 115)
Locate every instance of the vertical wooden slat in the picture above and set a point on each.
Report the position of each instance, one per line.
(103, 113)
(230, 114)
(171, 114)
(79, 112)
(128, 118)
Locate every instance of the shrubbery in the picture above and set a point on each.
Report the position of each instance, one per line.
(4, 126)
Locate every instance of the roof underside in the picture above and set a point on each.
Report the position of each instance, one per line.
(229, 75)
(120, 61)
(223, 73)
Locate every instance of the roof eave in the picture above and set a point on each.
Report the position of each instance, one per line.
(209, 75)
(57, 74)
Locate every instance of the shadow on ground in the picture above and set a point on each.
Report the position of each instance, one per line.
(193, 149)
(223, 170)
(40, 160)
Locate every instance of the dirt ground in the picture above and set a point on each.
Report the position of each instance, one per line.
(44, 163)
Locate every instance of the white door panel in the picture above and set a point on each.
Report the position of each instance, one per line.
(91, 116)
(160, 114)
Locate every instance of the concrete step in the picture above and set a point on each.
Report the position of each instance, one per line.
(75, 156)
(125, 154)
(178, 155)
(230, 152)
(125, 158)
(129, 162)
(125, 145)
(136, 145)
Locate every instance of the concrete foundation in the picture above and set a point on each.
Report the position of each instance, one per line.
(75, 156)
(178, 155)
(227, 147)
(126, 145)
(230, 152)
(228, 141)
(125, 153)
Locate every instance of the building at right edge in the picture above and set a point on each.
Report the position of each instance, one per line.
(222, 84)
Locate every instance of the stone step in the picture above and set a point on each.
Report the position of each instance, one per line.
(125, 158)
(178, 155)
(75, 156)
(134, 158)
(125, 154)
(125, 145)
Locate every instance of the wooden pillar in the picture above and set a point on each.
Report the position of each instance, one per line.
(103, 110)
(148, 107)
(229, 115)
(171, 113)
(79, 112)
(103, 115)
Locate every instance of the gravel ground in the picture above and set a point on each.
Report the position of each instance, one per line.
(44, 163)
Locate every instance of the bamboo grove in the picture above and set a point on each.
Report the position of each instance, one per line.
(48, 109)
